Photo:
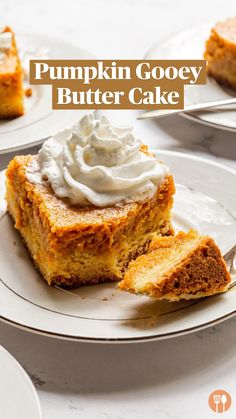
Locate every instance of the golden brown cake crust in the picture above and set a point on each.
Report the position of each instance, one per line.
(105, 236)
(63, 218)
(11, 83)
(220, 52)
(199, 271)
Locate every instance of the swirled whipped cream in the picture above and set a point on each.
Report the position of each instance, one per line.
(97, 163)
(5, 42)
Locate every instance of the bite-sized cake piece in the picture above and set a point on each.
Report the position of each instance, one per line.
(184, 266)
(71, 240)
(11, 77)
(220, 52)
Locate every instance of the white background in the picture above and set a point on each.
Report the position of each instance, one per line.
(167, 379)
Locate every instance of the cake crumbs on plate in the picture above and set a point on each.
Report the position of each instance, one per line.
(28, 92)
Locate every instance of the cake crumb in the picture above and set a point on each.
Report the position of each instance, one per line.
(28, 92)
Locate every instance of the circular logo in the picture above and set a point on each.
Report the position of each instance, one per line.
(219, 401)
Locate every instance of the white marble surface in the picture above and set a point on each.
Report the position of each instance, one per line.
(166, 379)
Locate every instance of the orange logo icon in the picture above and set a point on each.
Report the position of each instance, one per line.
(219, 401)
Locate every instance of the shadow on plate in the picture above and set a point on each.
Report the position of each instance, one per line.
(197, 137)
(165, 313)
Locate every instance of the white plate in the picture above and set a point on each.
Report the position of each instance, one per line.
(39, 121)
(190, 44)
(18, 397)
(101, 313)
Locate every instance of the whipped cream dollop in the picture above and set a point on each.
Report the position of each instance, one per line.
(5, 42)
(95, 162)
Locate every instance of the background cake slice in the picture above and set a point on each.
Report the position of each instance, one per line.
(220, 52)
(181, 267)
(11, 77)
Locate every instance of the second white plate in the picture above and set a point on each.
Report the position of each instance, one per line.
(190, 45)
(18, 397)
(39, 121)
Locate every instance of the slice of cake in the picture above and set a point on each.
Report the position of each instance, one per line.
(184, 266)
(220, 52)
(11, 77)
(89, 202)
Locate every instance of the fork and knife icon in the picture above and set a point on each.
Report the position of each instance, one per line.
(220, 399)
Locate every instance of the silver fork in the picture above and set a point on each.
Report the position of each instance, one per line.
(230, 260)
